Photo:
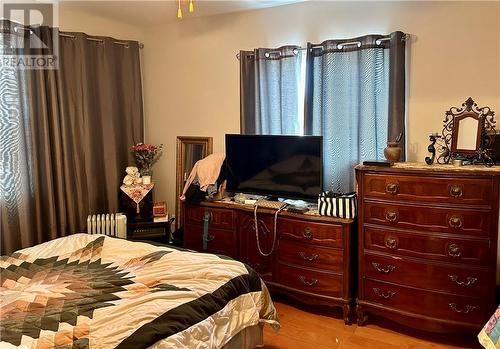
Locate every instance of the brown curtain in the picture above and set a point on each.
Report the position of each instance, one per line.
(82, 119)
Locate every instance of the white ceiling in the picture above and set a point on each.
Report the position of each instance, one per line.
(159, 11)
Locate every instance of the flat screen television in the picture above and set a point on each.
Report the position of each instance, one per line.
(280, 166)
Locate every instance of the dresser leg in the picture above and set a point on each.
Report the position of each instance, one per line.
(362, 317)
(346, 311)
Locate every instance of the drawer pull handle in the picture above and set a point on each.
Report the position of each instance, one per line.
(392, 188)
(468, 281)
(391, 216)
(306, 282)
(466, 310)
(391, 243)
(308, 258)
(307, 234)
(381, 294)
(456, 191)
(454, 251)
(455, 222)
(386, 270)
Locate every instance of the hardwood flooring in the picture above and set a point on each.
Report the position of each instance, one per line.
(306, 328)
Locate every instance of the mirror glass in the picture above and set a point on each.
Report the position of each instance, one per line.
(467, 134)
(192, 153)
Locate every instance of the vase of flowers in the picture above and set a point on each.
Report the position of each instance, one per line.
(145, 156)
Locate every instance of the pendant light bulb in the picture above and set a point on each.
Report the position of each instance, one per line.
(179, 11)
(191, 6)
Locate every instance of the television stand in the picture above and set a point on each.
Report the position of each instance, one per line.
(312, 259)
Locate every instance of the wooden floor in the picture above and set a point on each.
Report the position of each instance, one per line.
(303, 329)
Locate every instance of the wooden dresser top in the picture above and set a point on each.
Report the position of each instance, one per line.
(310, 215)
(420, 167)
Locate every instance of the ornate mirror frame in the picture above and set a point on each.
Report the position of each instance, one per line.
(455, 134)
(182, 142)
(484, 138)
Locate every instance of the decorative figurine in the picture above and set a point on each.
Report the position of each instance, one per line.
(431, 148)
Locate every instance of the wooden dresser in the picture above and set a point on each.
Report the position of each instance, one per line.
(428, 245)
(311, 260)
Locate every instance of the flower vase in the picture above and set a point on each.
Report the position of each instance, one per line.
(392, 152)
(146, 174)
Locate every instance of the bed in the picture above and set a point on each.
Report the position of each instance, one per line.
(95, 291)
(489, 337)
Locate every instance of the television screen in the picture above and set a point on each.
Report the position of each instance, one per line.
(283, 166)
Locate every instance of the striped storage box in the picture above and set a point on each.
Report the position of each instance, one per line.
(338, 205)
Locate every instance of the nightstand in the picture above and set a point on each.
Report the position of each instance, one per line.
(129, 208)
(155, 231)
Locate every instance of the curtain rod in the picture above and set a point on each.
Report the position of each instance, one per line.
(123, 43)
(340, 46)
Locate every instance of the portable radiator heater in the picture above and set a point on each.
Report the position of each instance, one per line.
(110, 224)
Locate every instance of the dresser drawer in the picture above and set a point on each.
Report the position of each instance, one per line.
(427, 246)
(311, 256)
(433, 304)
(218, 218)
(449, 220)
(315, 233)
(219, 241)
(313, 281)
(466, 281)
(433, 189)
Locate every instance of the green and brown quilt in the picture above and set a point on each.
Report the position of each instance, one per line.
(92, 291)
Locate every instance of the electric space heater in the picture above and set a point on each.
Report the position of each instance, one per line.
(110, 224)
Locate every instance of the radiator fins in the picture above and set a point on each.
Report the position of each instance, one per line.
(109, 224)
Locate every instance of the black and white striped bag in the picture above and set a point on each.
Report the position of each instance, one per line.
(338, 205)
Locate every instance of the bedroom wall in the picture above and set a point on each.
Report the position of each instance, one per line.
(73, 19)
(191, 81)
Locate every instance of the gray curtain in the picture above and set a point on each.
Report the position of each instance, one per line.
(397, 89)
(355, 99)
(270, 91)
(81, 121)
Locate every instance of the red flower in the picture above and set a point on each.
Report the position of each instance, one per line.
(146, 154)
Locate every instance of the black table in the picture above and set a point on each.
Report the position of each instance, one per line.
(148, 230)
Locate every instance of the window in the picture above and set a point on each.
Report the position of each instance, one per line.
(351, 92)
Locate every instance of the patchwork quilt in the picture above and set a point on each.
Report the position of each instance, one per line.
(94, 291)
(489, 336)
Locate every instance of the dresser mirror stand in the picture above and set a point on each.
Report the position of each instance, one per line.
(468, 135)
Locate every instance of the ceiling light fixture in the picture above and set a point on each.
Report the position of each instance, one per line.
(179, 10)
